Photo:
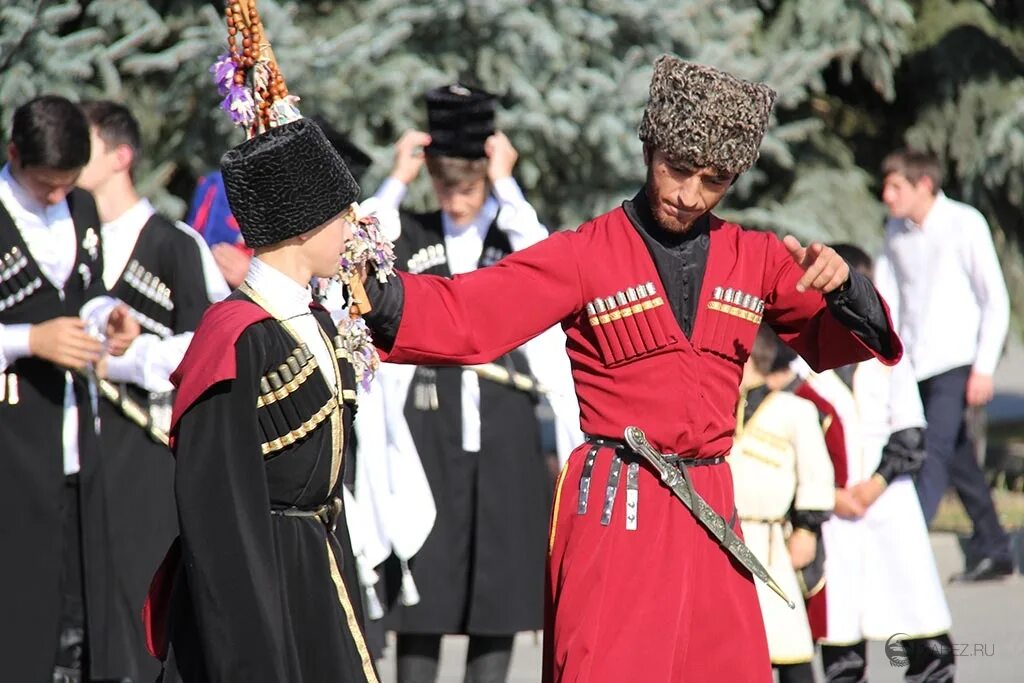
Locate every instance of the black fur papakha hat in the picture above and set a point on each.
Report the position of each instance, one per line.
(700, 117)
(286, 181)
(459, 120)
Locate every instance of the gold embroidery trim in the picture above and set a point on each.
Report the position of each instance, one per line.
(554, 508)
(304, 429)
(289, 388)
(350, 616)
(594, 322)
(349, 395)
(721, 307)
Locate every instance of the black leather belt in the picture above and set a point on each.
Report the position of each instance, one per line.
(671, 458)
(327, 513)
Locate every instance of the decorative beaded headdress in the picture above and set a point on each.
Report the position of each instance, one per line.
(257, 99)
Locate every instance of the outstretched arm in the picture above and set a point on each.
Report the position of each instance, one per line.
(474, 318)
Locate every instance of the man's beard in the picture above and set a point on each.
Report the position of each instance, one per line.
(668, 222)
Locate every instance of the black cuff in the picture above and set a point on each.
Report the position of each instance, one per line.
(811, 520)
(857, 306)
(903, 454)
(387, 300)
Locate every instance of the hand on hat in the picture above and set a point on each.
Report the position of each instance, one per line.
(409, 156)
(824, 269)
(501, 156)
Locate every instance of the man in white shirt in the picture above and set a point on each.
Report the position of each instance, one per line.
(478, 439)
(53, 307)
(941, 275)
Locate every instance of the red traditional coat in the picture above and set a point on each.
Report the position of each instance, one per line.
(661, 601)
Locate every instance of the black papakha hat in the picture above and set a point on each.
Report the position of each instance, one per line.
(285, 182)
(459, 120)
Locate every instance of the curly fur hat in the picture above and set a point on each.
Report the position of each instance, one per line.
(285, 182)
(702, 117)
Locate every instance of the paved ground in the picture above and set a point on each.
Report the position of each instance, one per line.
(988, 628)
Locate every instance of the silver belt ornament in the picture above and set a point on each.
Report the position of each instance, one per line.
(677, 479)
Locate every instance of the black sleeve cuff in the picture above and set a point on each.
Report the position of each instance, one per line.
(387, 300)
(903, 454)
(811, 520)
(856, 305)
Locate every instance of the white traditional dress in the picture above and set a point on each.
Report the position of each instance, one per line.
(881, 574)
(779, 462)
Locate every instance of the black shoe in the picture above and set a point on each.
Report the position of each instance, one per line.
(986, 570)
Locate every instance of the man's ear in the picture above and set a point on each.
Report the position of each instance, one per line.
(125, 157)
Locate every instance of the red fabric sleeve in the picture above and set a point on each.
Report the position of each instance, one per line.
(477, 317)
(803, 321)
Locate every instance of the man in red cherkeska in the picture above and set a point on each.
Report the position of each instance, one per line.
(660, 301)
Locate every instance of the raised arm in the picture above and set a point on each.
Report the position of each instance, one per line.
(474, 318)
(830, 315)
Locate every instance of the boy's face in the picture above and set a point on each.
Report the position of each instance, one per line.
(48, 186)
(325, 244)
(903, 198)
(103, 163)
(462, 201)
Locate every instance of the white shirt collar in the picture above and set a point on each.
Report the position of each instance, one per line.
(131, 221)
(286, 297)
(936, 210)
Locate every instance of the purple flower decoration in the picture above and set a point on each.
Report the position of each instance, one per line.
(223, 71)
(239, 105)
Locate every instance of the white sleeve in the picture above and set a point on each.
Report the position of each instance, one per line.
(217, 287)
(887, 285)
(13, 343)
(149, 361)
(990, 292)
(905, 409)
(387, 216)
(391, 193)
(550, 365)
(516, 217)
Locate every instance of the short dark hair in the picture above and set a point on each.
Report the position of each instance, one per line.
(854, 256)
(914, 166)
(452, 171)
(769, 354)
(50, 131)
(114, 124)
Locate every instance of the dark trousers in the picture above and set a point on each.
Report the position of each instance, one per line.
(487, 660)
(951, 459)
(70, 657)
(927, 660)
(795, 673)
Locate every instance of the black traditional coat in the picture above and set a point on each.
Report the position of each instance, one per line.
(262, 590)
(163, 284)
(32, 471)
(481, 569)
